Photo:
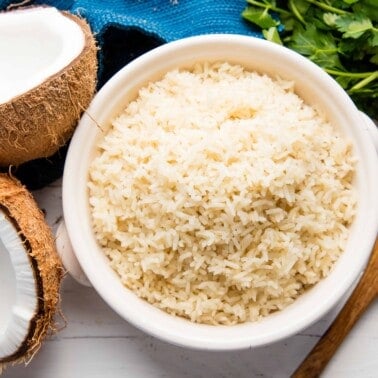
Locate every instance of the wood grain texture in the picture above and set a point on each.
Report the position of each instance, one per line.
(364, 293)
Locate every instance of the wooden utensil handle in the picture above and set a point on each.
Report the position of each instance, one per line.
(362, 296)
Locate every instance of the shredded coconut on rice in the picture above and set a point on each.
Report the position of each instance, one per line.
(218, 195)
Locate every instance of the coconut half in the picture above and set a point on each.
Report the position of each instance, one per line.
(30, 274)
(48, 71)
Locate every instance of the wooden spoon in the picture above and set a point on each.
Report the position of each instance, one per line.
(364, 293)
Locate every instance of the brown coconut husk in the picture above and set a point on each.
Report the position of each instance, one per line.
(22, 210)
(37, 123)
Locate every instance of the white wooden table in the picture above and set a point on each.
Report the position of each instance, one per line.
(96, 342)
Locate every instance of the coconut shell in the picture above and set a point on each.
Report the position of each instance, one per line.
(22, 210)
(37, 123)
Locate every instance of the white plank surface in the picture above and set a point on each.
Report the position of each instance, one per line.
(96, 342)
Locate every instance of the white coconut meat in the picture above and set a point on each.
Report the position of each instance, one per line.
(18, 289)
(49, 41)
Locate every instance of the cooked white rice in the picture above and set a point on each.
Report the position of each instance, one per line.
(219, 196)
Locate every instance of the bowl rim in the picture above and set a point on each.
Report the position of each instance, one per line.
(154, 321)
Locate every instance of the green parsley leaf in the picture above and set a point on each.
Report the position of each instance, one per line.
(330, 19)
(353, 25)
(320, 47)
(341, 36)
(350, 1)
(374, 59)
(260, 17)
(368, 8)
(272, 35)
(344, 81)
(373, 40)
(302, 6)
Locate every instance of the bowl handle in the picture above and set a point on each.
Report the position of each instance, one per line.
(372, 129)
(68, 257)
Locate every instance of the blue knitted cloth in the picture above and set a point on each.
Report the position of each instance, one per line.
(125, 29)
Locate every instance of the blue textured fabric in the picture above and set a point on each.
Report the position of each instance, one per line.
(125, 29)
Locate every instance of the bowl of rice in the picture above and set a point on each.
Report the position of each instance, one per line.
(220, 192)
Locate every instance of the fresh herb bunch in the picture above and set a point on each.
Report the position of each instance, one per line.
(341, 36)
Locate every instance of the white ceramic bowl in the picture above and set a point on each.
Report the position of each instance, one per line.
(316, 88)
